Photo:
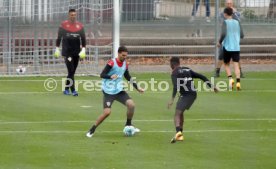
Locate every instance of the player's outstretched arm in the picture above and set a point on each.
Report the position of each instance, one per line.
(105, 71)
(60, 34)
(57, 52)
(205, 79)
(223, 33)
(174, 82)
(132, 81)
(82, 53)
(58, 41)
(241, 31)
(83, 38)
(170, 103)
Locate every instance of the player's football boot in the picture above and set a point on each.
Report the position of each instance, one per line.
(66, 92)
(231, 84)
(91, 131)
(216, 74)
(178, 137)
(75, 93)
(89, 134)
(136, 130)
(238, 86)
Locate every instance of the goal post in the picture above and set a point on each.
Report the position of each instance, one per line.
(29, 32)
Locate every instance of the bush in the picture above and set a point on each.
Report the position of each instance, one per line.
(249, 14)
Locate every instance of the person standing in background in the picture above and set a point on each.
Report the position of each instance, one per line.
(236, 15)
(231, 33)
(195, 8)
(72, 35)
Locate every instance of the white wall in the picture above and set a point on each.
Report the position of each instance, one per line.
(254, 3)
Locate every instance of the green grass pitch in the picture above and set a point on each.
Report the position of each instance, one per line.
(227, 130)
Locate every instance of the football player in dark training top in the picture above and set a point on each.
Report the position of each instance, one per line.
(182, 79)
(72, 35)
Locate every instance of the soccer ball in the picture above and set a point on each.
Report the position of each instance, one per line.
(20, 70)
(129, 131)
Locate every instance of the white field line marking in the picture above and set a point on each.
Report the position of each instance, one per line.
(149, 131)
(121, 121)
(26, 80)
(243, 91)
(58, 80)
(86, 106)
(15, 93)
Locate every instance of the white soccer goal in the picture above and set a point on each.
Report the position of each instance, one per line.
(29, 31)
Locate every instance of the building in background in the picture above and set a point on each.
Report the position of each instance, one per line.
(254, 3)
(28, 11)
(271, 14)
(50, 10)
(135, 10)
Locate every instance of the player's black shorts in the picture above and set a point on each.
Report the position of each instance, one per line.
(108, 99)
(228, 55)
(220, 56)
(185, 102)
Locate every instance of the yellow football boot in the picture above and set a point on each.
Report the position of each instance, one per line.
(231, 84)
(238, 86)
(178, 137)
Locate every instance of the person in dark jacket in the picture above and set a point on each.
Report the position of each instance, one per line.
(72, 35)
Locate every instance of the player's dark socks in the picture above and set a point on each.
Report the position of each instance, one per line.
(242, 75)
(128, 122)
(93, 128)
(217, 70)
(238, 80)
(181, 129)
(230, 77)
(178, 129)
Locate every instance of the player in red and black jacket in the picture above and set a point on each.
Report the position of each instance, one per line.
(71, 34)
(113, 90)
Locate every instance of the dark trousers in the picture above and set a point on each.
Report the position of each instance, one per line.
(71, 65)
(196, 4)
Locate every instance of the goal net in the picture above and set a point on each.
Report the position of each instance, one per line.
(29, 31)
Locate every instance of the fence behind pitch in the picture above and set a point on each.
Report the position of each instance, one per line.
(170, 30)
(29, 31)
(150, 28)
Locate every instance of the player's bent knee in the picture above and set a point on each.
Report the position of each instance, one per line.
(179, 112)
(130, 103)
(107, 112)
